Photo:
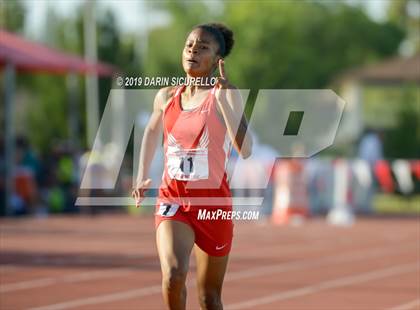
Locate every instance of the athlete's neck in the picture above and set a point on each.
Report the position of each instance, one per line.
(198, 86)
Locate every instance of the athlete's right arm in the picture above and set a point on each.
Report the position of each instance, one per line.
(152, 133)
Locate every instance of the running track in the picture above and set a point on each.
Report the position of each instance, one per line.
(110, 262)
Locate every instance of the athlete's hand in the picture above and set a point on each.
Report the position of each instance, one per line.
(222, 83)
(141, 188)
(222, 80)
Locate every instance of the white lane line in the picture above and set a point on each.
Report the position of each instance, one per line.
(80, 277)
(43, 282)
(325, 285)
(408, 306)
(151, 202)
(319, 244)
(243, 274)
(9, 268)
(103, 298)
(86, 276)
(303, 264)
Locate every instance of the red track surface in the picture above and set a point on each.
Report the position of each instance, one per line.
(110, 262)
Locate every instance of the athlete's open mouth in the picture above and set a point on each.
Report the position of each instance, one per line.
(192, 61)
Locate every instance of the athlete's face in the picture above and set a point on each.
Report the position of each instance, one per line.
(200, 54)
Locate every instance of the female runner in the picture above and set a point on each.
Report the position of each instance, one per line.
(198, 122)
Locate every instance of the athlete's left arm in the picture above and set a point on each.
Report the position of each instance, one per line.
(231, 106)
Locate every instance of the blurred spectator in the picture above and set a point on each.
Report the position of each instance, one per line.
(370, 147)
(26, 199)
(62, 180)
(249, 177)
(320, 184)
(370, 151)
(26, 156)
(2, 178)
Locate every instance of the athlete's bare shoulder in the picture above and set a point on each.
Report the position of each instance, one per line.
(164, 95)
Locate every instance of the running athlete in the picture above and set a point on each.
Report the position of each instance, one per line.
(199, 124)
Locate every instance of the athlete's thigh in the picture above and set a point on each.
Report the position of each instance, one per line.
(174, 240)
(210, 271)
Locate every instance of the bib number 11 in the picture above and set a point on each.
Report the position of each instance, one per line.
(186, 165)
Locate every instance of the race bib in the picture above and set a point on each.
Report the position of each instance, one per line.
(187, 165)
(167, 209)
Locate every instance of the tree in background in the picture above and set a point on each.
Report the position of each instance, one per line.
(12, 15)
(47, 116)
(12, 18)
(279, 44)
(166, 43)
(117, 49)
(406, 14)
(305, 44)
(403, 139)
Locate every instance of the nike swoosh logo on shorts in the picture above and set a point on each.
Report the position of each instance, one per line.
(220, 247)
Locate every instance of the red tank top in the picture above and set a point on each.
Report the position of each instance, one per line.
(196, 148)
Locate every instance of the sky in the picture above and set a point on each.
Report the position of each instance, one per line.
(134, 15)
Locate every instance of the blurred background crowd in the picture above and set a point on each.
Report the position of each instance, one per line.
(368, 52)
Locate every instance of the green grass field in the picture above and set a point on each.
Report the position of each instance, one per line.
(395, 204)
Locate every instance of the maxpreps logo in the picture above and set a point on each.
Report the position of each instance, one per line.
(219, 214)
(297, 123)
